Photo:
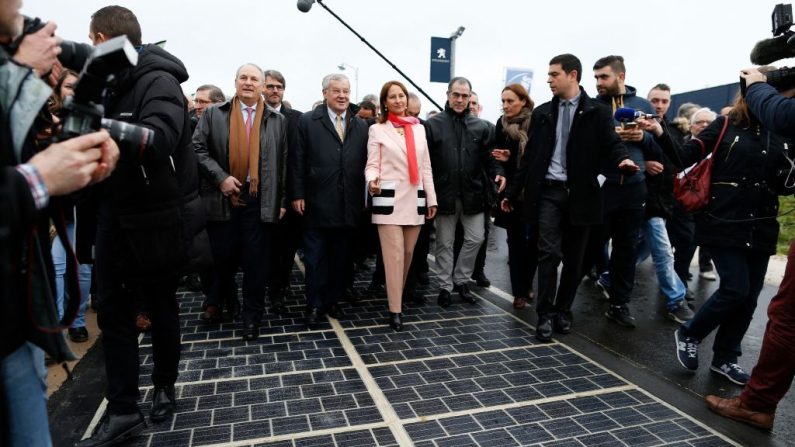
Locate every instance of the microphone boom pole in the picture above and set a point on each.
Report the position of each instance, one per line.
(321, 3)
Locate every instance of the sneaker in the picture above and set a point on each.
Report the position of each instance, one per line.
(620, 314)
(681, 312)
(709, 276)
(731, 371)
(686, 350)
(604, 287)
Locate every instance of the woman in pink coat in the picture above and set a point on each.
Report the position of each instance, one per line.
(400, 180)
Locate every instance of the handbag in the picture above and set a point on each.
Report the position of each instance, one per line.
(692, 188)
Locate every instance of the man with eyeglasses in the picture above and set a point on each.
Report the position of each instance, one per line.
(288, 233)
(242, 150)
(460, 147)
(326, 184)
(206, 95)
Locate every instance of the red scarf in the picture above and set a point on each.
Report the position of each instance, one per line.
(411, 153)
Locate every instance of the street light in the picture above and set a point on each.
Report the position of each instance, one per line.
(355, 78)
(453, 37)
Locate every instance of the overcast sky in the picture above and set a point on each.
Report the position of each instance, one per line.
(688, 44)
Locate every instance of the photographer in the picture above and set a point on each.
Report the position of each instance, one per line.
(738, 225)
(27, 182)
(772, 376)
(148, 213)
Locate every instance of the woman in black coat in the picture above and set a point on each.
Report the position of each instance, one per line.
(511, 138)
(738, 226)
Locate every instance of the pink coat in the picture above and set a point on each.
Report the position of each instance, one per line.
(386, 160)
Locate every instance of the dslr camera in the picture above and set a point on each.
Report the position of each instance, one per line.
(783, 78)
(83, 113)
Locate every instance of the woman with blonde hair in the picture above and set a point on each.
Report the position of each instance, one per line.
(400, 181)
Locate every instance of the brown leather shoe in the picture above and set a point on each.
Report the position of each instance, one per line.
(734, 409)
(142, 322)
(212, 314)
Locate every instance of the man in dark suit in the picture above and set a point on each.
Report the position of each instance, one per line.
(559, 175)
(326, 184)
(288, 233)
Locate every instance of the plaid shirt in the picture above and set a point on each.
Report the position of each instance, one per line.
(37, 187)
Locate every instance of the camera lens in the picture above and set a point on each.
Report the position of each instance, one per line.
(129, 136)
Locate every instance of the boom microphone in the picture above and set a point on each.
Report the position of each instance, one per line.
(774, 49)
(305, 5)
(627, 115)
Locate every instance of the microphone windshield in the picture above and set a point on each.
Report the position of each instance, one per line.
(305, 5)
(771, 50)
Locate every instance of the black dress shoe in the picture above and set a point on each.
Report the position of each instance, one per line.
(114, 429)
(544, 330)
(480, 279)
(410, 295)
(465, 294)
(562, 324)
(314, 317)
(250, 331)
(444, 300)
(78, 334)
(335, 311)
(396, 321)
(163, 403)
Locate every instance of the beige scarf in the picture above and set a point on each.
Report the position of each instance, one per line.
(244, 161)
(516, 129)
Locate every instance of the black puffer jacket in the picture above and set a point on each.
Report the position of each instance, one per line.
(744, 191)
(158, 182)
(460, 148)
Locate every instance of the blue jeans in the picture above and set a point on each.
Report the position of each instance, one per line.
(24, 379)
(654, 241)
(731, 307)
(83, 274)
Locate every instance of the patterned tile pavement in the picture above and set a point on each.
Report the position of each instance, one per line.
(468, 375)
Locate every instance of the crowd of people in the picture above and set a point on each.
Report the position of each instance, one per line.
(243, 183)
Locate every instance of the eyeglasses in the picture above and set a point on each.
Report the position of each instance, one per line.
(274, 87)
(456, 95)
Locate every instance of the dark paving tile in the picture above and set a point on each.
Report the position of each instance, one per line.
(599, 440)
(419, 431)
(563, 428)
(636, 436)
(456, 441)
(322, 421)
(292, 424)
(169, 439)
(528, 434)
(460, 424)
(496, 437)
(250, 430)
(212, 435)
(363, 438)
(230, 415)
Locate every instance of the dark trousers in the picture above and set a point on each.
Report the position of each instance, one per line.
(558, 240)
(623, 216)
(681, 233)
(773, 373)
(287, 238)
(242, 241)
(327, 258)
(116, 318)
(704, 260)
(522, 254)
(731, 307)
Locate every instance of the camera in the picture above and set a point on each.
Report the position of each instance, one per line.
(780, 47)
(73, 55)
(83, 112)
